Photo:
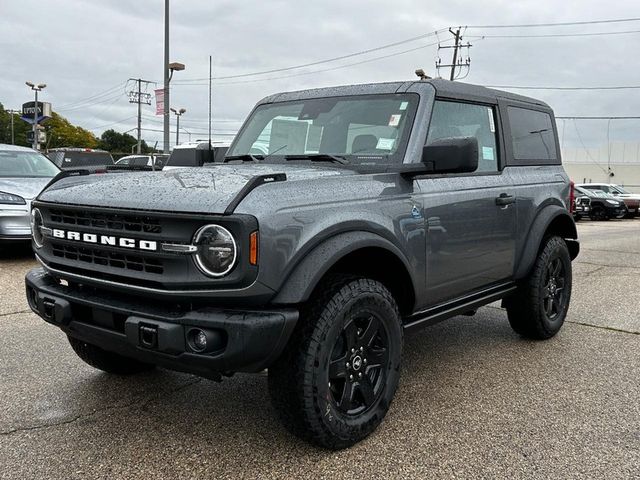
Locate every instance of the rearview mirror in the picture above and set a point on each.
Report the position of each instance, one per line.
(452, 155)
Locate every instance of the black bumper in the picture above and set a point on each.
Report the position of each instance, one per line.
(160, 333)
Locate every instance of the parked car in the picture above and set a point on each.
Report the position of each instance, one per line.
(196, 154)
(23, 174)
(603, 206)
(141, 162)
(581, 206)
(80, 158)
(631, 200)
(379, 209)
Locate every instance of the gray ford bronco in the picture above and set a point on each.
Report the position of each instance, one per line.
(340, 220)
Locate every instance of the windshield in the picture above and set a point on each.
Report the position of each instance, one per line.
(360, 129)
(619, 189)
(26, 164)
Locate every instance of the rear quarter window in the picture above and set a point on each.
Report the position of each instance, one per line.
(532, 136)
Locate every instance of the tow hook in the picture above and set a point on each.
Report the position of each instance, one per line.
(49, 309)
(148, 336)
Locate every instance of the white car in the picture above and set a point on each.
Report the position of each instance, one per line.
(23, 174)
(158, 161)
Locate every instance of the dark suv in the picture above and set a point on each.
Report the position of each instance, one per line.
(374, 210)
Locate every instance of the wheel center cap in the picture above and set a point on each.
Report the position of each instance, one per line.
(356, 362)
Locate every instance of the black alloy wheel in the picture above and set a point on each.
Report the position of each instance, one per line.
(358, 364)
(554, 296)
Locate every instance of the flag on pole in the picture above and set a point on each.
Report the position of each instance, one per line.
(159, 101)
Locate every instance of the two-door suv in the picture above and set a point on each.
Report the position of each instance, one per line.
(376, 209)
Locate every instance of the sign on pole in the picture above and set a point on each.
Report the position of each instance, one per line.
(159, 101)
(43, 110)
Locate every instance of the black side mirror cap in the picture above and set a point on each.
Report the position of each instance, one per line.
(452, 155)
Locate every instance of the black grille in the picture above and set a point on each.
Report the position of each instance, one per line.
(111, 259)
(107, 221)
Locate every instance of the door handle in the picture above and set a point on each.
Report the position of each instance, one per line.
(505, 199)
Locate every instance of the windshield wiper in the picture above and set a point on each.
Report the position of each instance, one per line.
(318, 157)
(246, 157)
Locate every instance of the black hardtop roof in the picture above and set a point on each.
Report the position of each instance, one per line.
(444, 88)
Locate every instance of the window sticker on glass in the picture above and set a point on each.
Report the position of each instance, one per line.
(385, 143)
(394, 120)
(492, 125)
(403, 105)
(487, 153)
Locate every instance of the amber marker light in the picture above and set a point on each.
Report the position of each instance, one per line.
(253, 248)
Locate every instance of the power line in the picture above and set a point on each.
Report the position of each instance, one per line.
(558, 24)
(528, 87)
(555, 35)
(321, 70)
(111, 124)
(87, 105)
(319, 62)
(107, 92)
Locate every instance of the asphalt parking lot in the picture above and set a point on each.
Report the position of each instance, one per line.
(475, 400)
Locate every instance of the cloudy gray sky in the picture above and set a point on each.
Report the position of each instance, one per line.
(86, 50)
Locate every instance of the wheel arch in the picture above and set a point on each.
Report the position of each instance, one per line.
(552, 220)
(358, 253)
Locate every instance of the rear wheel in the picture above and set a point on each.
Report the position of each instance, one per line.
(336, 379)
(107, 361)
(539, 307)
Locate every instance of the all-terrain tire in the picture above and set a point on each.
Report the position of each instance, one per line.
(107, 361)
(538, 308)
(322, 386)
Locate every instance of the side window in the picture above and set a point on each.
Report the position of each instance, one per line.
(532, 135)
(454, 119)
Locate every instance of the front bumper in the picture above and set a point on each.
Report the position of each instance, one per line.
(15, 225)
(157, 333)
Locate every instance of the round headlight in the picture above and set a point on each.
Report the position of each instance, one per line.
(217, 251)
(36, 227)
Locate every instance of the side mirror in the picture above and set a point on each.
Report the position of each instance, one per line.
(452, 155)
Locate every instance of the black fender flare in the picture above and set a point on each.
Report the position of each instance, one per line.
(548, 215)
(306, 275)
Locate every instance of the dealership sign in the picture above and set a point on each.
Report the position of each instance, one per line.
(42, 110)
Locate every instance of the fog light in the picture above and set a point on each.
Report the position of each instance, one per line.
(199, 340)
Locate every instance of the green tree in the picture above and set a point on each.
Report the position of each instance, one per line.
(20, 128)
(62, 133)
(120, 142)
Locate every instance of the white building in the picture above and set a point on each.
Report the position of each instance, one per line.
(620, 163)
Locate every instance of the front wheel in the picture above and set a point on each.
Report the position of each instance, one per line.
(599, 213)
(336, 379)
(538, 309)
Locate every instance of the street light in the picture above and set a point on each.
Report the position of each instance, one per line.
(178, 115)
(169, 68)
(36, 89)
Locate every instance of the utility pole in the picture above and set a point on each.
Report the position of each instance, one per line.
(455, 53)
(457, 61)
(169, 68)
(140, 97)
(12, 113)
(165, 113)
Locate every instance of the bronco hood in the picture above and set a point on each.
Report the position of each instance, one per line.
(195, 190)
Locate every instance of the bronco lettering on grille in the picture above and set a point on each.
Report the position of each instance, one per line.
(109, 240)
